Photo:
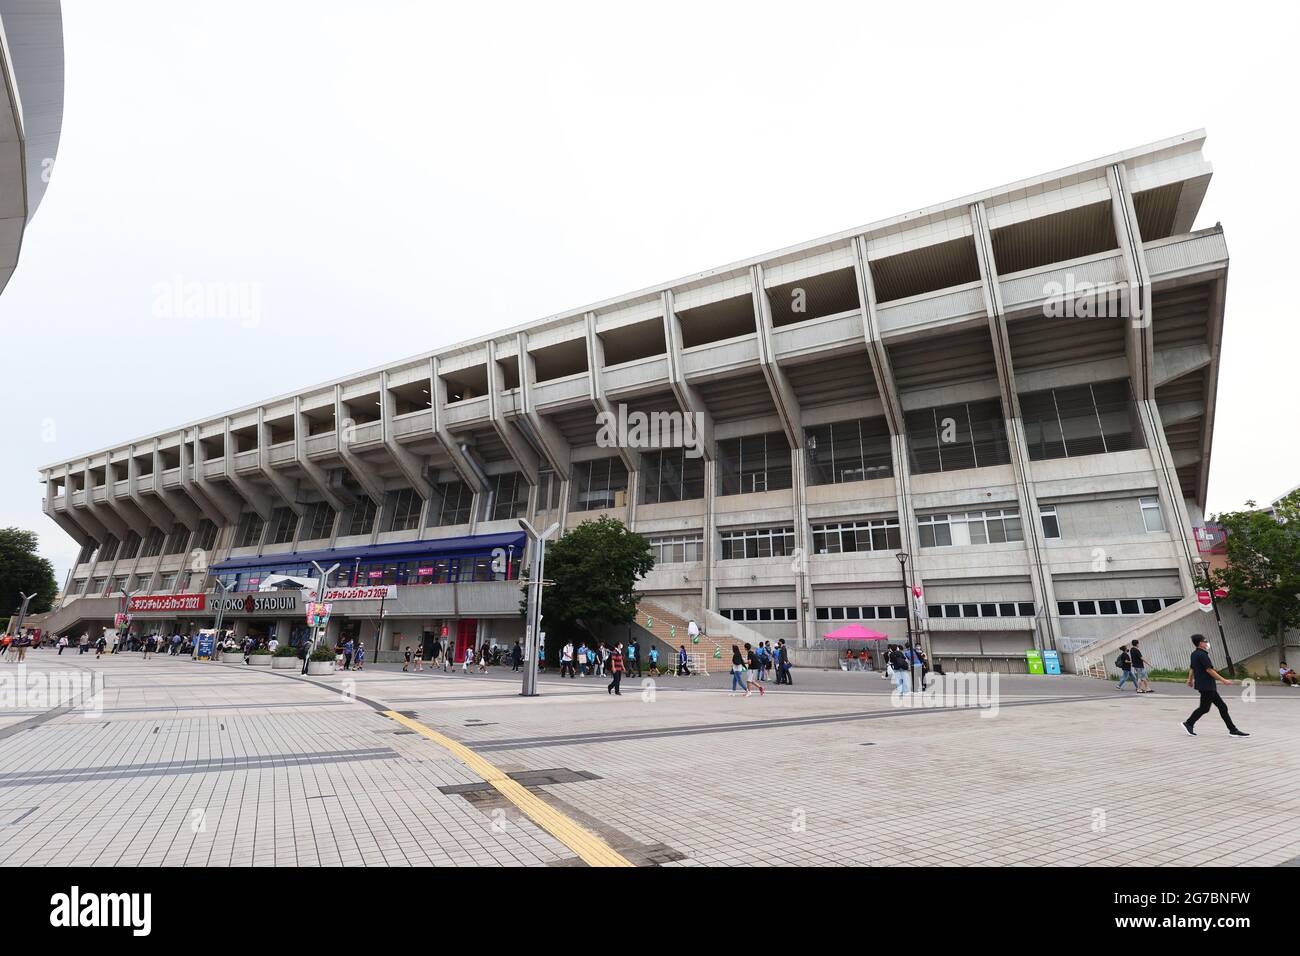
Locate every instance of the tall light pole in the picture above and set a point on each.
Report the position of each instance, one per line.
(22, 611)
(1204, 567)
(537, 567)
(216, 624)
(323, 577)
(907, 606)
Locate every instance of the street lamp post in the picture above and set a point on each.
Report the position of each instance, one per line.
(22, 611)
(534, 613)
(907, 604)
(323, 577)
(221, 611)
(1204, 567)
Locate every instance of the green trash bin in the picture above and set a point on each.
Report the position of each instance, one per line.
(1035, 661)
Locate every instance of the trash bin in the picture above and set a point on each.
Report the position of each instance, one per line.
(1051, 662)
(1035, 661)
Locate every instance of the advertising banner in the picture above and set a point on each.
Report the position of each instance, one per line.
(376, 593)
(166, 603)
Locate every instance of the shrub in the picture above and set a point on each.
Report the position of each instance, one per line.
(284, 650)
(323, 653)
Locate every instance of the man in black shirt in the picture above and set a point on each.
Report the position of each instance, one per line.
(1205, 678)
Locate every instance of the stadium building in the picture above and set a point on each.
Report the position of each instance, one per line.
(1013, 391)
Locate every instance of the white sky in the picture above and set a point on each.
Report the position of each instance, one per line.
(396, 176)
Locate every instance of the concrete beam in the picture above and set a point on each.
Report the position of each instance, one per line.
(595, 367)
(409, 464)
(176, 502)
(688, 397)
(102, 513)
(523, 455)
(257, 499)
(189, 483)
(1032, 526)
(1174, 363)
(158, 514)
(460, 463)
(550, 442)
(317, 477)
(224, 501)
(285, 487)
(1138, 338)
(358, 468)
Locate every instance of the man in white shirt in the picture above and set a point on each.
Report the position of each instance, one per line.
(692, 630)
(566, 659)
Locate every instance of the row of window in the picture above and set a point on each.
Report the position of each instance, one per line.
(998, 609)
(1112, 607)
(878, 612)
(406, 572)
(760, 613)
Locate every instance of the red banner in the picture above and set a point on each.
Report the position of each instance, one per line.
(373, 593)
(166, 603)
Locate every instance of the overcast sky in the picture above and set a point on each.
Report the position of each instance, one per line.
(390, 177)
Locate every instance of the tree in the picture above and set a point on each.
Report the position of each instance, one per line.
(1263, 572)
(593, 569)
(23, 570)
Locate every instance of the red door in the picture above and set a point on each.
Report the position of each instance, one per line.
(466, 631)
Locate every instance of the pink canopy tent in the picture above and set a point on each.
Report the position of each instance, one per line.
(855, 632)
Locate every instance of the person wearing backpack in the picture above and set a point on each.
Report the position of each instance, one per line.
(1125, 663)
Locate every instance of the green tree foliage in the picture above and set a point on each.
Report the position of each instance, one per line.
(23, 570)
(594, 569)
(1263, 572)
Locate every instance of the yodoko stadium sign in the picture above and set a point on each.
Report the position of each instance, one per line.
(258, 604)
(271, 602)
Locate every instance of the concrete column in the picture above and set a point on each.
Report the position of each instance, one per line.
(883, 371)
(1139, 349)
(1030, 522)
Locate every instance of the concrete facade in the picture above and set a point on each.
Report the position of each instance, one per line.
(881, 379)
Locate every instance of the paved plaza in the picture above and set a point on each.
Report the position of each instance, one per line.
(213, 764)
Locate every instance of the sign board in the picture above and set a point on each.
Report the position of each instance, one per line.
(1052, 662)
(260, 602)
(1035, 661)
(203, 647)
(1204, 600)
(318, 615)
(376, 593)
(166, 603)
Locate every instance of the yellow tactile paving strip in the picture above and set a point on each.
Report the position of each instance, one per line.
(590, 848)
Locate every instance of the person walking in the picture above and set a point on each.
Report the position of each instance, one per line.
(468, 661)
(616, 668)
(360, 661)
(516, 657)
(737, 672)
(347, 654)
(99, 647)
(63, 642)
(633, 660)
(22, 642)
(406, 660)
(1139, 669)
(83, 643)
(683, 662)
(1125, 663)
(484, 657)
(1202, 676)
(898, 663)
(751, 679)
(785, 666)
(566, 660)
(654, 659)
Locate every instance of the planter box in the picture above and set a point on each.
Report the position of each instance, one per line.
(320, 667)
(260, 660)
(286, 663)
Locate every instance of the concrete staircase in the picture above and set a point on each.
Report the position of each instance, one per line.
(1165, 639)
(711, 655)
